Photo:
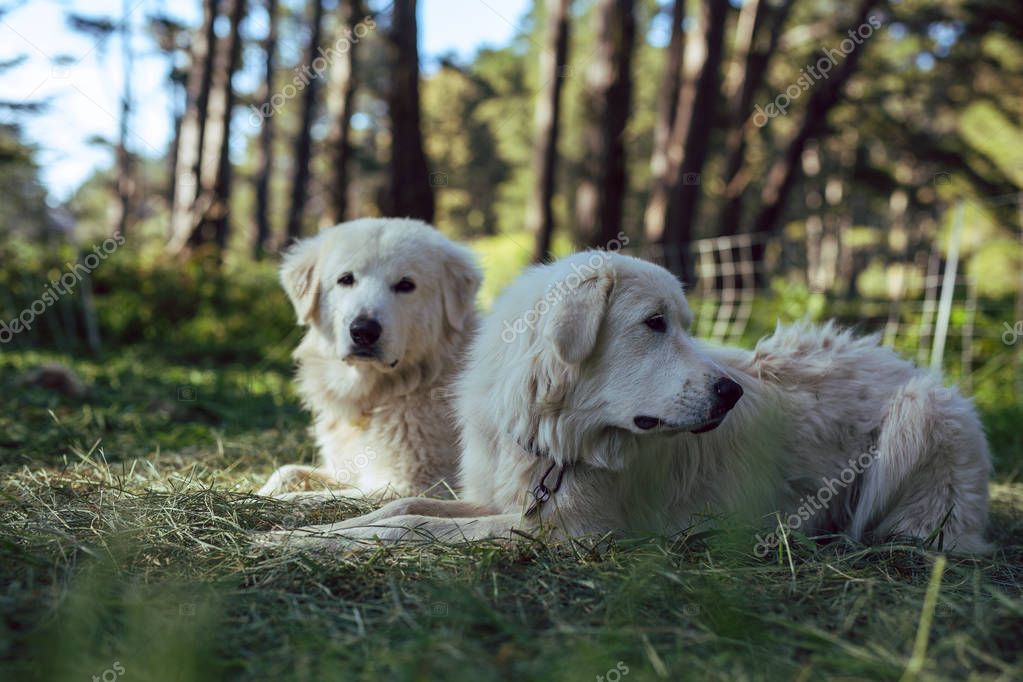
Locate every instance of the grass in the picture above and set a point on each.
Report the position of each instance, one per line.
(124, 553)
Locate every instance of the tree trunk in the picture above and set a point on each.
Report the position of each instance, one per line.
(553, 61)
(685, 193)
(785, 171)
(700, 67)
(752, 55)
(303, 143)
(172, 165)
(667, 103)
(125, 161)
(601, 194)
(209, 211)
(264, 170)
(340, 100)
(219, 213)
(409, 190)
(193, 125)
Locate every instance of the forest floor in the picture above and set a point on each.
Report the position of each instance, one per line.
(125, 520)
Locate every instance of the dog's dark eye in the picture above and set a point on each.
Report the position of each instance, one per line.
(657, 323)
(346, 280)
(405, 285)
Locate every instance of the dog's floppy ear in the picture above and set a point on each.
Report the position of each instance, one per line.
(300, 277)
(461, 282)
(575, 320)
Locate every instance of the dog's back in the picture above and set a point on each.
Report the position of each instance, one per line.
(916, 447)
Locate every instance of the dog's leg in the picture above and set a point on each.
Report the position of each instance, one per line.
(417, 528)
(387, 515)
(292, 475)
(312, 498)
(930, 475)
(409, 528)
(416, 506)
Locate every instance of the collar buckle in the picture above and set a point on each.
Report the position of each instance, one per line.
(541, 493)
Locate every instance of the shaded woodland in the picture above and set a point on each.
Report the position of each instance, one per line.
(848, 129)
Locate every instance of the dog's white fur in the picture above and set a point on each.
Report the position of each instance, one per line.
(384, 424)
(557, 386)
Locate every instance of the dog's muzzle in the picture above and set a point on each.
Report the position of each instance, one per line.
(727, 394)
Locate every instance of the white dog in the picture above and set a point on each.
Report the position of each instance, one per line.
(587, 407)
(390, 308)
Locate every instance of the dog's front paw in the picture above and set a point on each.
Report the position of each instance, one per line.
(316, 539)
(273, 538)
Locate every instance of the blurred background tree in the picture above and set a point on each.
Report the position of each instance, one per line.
(598, 116)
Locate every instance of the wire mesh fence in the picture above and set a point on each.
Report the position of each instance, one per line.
(929, 314)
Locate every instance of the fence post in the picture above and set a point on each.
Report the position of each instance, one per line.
(948, 287)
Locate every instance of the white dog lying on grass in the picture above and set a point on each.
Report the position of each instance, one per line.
(390, 306)
(586, 407)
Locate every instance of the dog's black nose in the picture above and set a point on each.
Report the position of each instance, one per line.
(365, 331)
(728, 393)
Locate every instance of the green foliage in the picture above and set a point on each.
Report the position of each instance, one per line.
(997, 268)
(177, 308)
(466, 171)
(23, 209)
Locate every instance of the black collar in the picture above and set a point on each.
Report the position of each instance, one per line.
(530, 447)
(541, 493)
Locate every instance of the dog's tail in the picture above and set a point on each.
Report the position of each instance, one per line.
(929, 474)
